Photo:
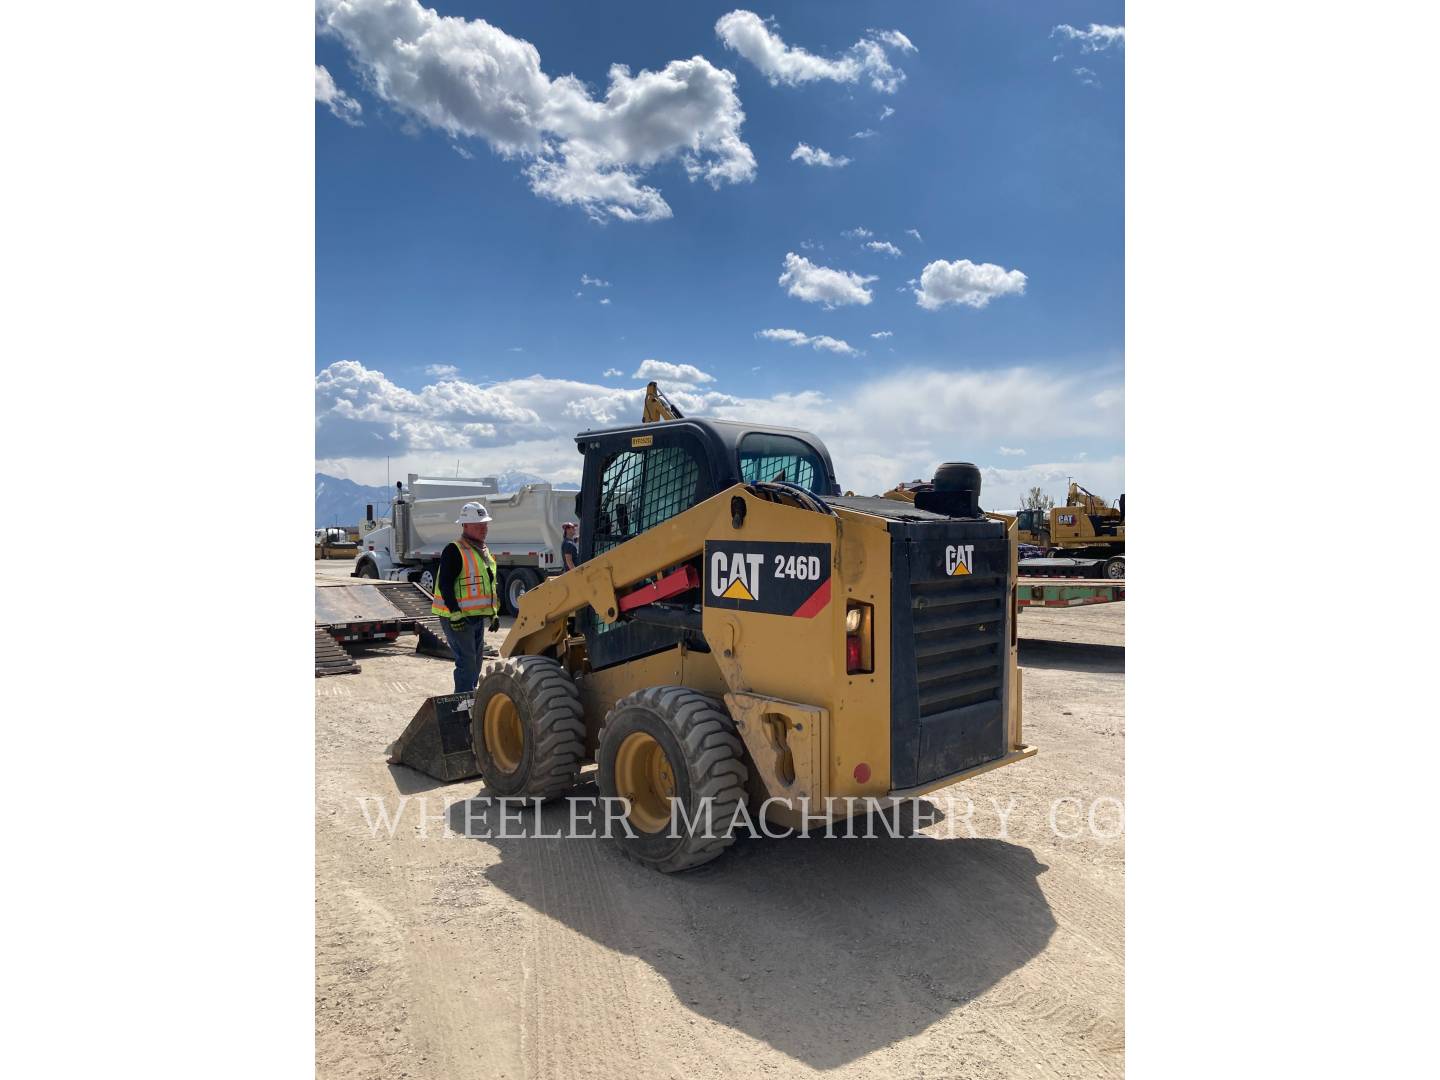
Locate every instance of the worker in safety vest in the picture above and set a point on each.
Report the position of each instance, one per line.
(466, 596)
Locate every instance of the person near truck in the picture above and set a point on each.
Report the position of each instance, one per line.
(466, 595)
(570, 547)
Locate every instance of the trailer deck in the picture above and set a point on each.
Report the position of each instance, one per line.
(1068, 592)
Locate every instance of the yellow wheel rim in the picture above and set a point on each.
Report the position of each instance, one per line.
(504, 735)
(644, 776)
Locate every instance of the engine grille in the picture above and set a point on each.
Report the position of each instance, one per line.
(957, 624)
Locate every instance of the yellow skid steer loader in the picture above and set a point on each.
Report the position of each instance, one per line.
(741, 639)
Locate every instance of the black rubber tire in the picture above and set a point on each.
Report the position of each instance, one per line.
(1115, 568)
(521, 579)
(433, 569)
(367, 569)
(706, 757)
(552, 720)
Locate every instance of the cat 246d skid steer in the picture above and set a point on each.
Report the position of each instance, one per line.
(739, 633)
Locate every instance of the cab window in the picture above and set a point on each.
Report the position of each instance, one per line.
(766, 457)
(641, 488)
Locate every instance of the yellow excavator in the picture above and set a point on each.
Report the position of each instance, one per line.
(658, 406)
(740, 641)
(1086, 528)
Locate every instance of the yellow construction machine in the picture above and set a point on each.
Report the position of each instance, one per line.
(740, 637)
(1086, 528)
(335, 542)
(658, 407)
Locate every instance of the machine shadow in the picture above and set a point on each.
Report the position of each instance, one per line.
(409, 781)
(826, 949)
(1072, 656)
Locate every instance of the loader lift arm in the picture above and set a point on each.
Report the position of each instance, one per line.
(603, 581)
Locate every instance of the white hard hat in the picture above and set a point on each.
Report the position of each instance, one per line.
(473, 513)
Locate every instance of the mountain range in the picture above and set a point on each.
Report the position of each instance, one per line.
(342, 502)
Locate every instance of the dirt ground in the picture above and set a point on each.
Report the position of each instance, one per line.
(968, 949)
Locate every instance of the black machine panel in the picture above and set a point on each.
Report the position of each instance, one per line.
(949, 637)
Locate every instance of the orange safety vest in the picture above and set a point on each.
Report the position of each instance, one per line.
(475, 587)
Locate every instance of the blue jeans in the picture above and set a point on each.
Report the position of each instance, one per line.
(467, 645)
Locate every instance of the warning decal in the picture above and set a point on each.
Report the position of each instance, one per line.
(768, 577)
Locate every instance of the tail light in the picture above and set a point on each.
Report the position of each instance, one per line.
(859, 638)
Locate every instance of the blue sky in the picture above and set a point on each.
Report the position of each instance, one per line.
(448, 322)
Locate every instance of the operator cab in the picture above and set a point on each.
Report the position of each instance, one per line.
(640, 476)
(636, 477)
(1031, 520)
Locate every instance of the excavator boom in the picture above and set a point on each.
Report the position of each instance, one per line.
(658, 407)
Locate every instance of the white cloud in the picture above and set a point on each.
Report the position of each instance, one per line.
(441, 370)
(814, 156)
(595, 282)
(663, 371)
(820, 341)
(514, 348)
(858, 233)
(884, 247)
(613, 372)
(466, 154)
(811, 245)
(965, 282)
(915, 233)
(1096, 39)
(821, 285)
(886, 113)
(340, 104)
(871, 426)
(1086, 77)
(894, 38)
(1010, 451)
(750, 36)
(868, 133)
(466, 77)
(881, 334)
(1108, 398)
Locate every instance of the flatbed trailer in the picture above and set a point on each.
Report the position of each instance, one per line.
(349, 612)
(1068, 592)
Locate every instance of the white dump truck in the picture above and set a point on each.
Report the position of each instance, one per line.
(524, 538)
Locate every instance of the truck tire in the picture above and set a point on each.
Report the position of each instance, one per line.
(426, 580)
(671, 742)
(1115, 568)
(367, 569)
(528, 728)
(517, 583)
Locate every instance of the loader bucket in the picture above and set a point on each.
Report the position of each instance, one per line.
(437, 741)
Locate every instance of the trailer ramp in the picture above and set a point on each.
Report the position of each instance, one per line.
(355, 612)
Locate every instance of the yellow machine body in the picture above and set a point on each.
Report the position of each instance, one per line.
(812, 730)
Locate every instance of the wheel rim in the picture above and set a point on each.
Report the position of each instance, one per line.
(1117, 570)
(504, 737)
(517, 590)
(427, 581)
(644, 776)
